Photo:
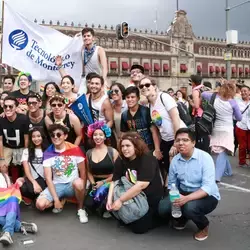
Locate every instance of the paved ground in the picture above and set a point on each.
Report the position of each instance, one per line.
(229, 227)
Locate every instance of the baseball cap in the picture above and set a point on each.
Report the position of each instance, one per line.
(208, 85)
(137, 66)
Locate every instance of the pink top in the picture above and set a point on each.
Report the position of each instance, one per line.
(197, 112)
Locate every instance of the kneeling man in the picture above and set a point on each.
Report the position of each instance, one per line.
(63, 162)
(193, 172)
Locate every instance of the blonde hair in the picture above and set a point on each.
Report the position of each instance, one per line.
(227, 89)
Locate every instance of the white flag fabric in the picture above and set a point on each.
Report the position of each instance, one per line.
(32, 48)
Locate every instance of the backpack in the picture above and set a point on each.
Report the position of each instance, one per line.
(183, 112)
(133, 209)
(204, 126)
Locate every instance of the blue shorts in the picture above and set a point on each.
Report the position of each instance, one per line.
(62, 190)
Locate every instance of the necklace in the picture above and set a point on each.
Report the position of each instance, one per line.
(96, 97)
(38, 118)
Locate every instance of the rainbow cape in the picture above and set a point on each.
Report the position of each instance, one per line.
(9, 200)
(71, 150)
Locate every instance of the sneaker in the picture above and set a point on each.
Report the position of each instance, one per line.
(106, 215)
(202, 234)
(83, 216)
(6, 239)
(179, 225)
(28, 228)
(244, 165)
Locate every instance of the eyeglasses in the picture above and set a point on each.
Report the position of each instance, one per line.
(115, 91)
(135, 72)
(185, 140)
(54, 135)
(32, 103)
(8, 106)
(54, 105)
(147, 85)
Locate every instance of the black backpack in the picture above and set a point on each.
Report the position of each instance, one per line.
(183, 112)
(204, 126)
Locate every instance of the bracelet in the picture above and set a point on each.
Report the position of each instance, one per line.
(104, 181)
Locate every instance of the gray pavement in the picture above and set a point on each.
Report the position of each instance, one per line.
(229, 226)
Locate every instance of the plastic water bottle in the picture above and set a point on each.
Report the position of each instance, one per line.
(175, 194)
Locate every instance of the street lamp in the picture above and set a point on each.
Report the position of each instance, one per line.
(228, 8)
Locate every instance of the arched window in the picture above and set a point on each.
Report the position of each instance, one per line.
(213, 51)
(205, 51)
(132, 44)
(209, 51)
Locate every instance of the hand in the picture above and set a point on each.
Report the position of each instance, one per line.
(117, 205)
(158, 154)
(37, 188)
(58, 204)
(2, 115)
(181, 201)
(58, 61)
(109, 205)
(98, 184)
(173, 151)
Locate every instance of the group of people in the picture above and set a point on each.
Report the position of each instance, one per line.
(138, 133)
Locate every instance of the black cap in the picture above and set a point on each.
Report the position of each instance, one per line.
(195, 79)
(137, 66)
(208, 85)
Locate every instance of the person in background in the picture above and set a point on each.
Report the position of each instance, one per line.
(24, 81)
(32, 159)
(100, 164)
(119, 105)
(65, 173)
(170, 91)
(136, 74)
(181, 97)
(2, 96)
(142, 169)
(8, 83)
(50, 89)
(88, 80)
(222, 137)
(192, 171)
(137, 119)
(243, 126)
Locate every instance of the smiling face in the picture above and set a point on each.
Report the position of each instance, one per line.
(8, 85)
(128, 149)
(136, 75)
(50, 90)
(9, 108)
(58, 137)
(33, 104)
(24, 82)
(57, 107)
(95, 86)
(88, 38)
(2, 98)
(184, 144)
(245, 93)
(98, 137)
(37, 138)
(115, 93)
(67, 85)
(146, 87)
(132, 100)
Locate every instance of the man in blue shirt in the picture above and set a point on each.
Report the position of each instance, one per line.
(193, 172)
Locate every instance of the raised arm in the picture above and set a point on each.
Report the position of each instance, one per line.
(104, 64)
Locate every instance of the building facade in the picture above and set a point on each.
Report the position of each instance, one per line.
(170, 57)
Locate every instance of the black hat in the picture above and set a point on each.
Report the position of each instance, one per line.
(137, 66)
(195, 79)
(208, 85)
(240, 83)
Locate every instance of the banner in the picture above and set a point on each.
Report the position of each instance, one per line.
(32, 48)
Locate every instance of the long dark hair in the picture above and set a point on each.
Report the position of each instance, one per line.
(45, 97)
(32, 145)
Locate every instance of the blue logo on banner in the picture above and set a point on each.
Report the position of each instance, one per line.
(18, 39)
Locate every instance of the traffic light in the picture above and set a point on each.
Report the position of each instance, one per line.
(124, 29)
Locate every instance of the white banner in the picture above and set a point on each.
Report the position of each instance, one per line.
(32, 48)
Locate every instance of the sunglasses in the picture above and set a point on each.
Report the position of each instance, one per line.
(115, 91)
(147, 85)
(54, 135)
(135, 72)
(8, 106)
(32, 103)
(59, 105)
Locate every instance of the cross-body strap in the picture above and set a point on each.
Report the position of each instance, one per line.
(35, 170)
(91, 108)
(213, 98)
(245, 109)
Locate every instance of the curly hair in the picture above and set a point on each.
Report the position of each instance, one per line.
(227, 90)
(141, 147)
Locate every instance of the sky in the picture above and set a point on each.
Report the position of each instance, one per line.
(206, 16)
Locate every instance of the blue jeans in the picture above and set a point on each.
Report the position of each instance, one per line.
(222, 166)
(192, 210)
(10, 223)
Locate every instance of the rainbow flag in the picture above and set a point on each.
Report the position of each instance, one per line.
(9, 200)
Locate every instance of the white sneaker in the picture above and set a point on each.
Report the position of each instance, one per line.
(83, 216)
(6, 239)
(28, 228)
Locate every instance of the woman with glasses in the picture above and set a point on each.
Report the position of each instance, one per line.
(165, 116)
(59, 115)
(142, 170)
(50, 89)
(119, 105)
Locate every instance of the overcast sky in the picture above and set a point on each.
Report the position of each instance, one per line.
(206, 16)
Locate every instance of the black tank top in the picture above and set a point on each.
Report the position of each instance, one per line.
(39, 124)
(71, 135)
(104, 167)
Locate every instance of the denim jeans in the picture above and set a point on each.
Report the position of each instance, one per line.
(222, 166)
(10, 223)
(192, 210)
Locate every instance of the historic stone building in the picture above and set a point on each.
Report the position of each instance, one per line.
(159, 54)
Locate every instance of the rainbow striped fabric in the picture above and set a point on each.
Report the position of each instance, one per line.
(9, 200)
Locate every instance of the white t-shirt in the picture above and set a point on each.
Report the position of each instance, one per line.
(244, 124)
(37, 162)
(160, 116)
(64, 168)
